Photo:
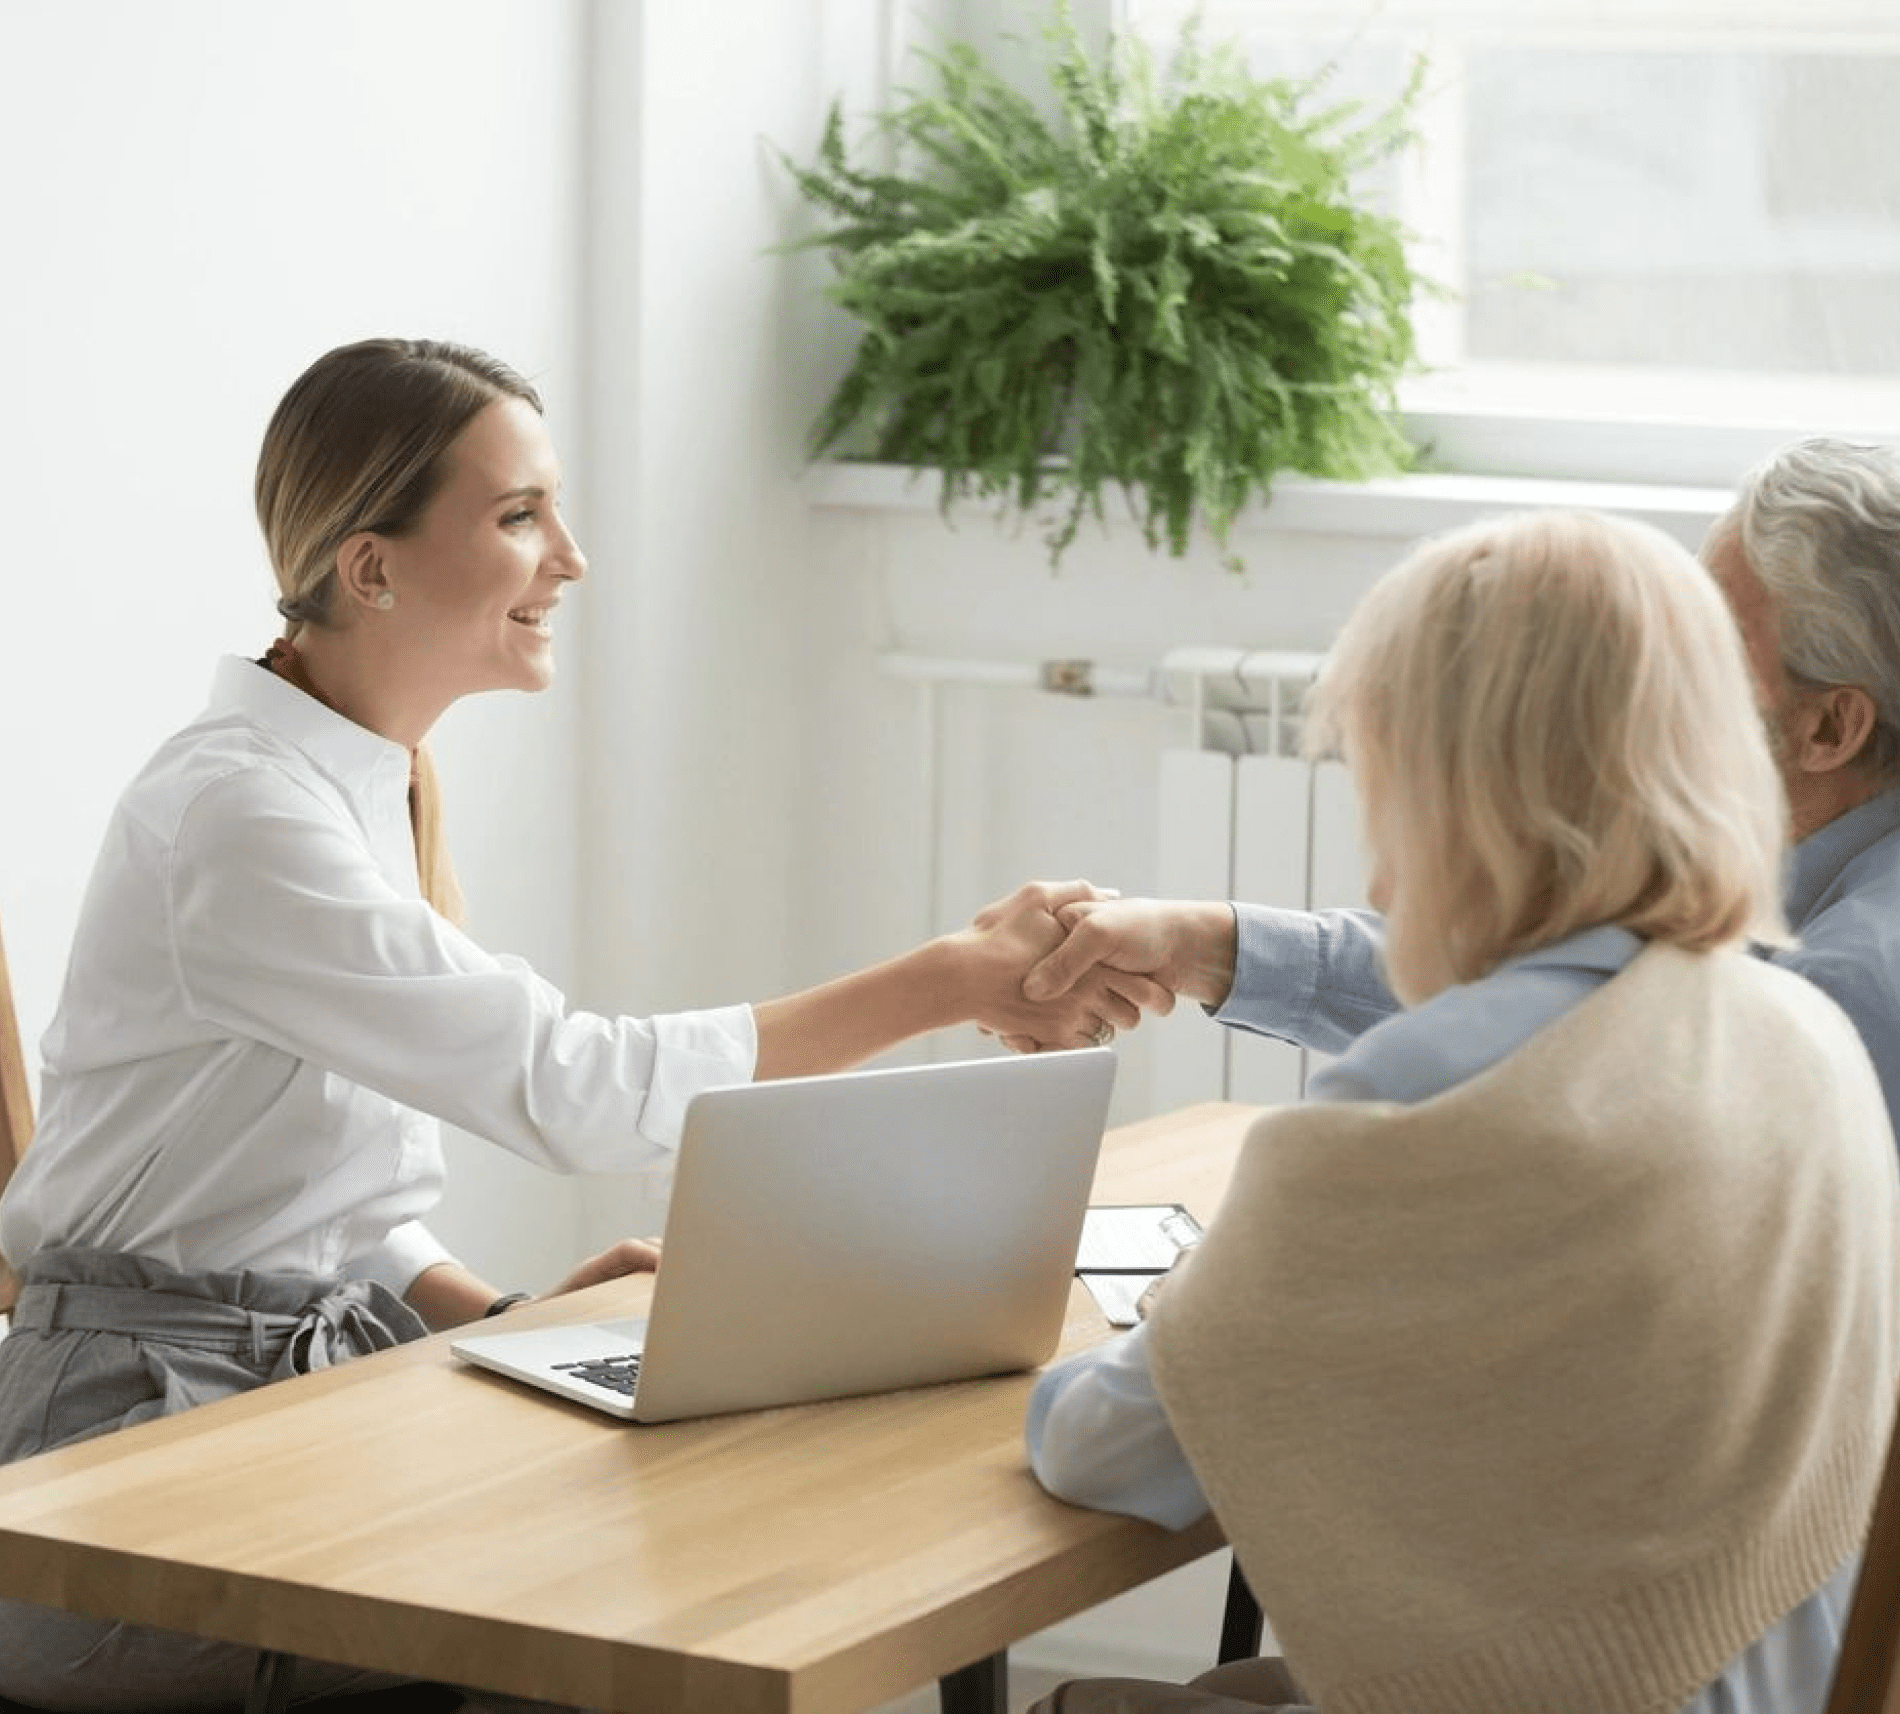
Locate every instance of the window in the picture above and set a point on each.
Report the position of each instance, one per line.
(1683, 213)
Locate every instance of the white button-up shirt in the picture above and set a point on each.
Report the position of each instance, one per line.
(263, 1023)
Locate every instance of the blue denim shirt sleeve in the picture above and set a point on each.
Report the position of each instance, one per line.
(1314, 978)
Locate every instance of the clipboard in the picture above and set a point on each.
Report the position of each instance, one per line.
(1125, 1247)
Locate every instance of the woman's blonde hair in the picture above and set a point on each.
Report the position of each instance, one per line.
(1551, 725)
(360, 443)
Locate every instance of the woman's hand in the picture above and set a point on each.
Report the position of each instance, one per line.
(629, 1256)
(974, 976)
(1007, 939)
(1186, 946)
(448, 1295)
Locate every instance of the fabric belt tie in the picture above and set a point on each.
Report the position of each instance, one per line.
(350, 1319)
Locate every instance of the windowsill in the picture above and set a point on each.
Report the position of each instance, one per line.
(1591, 422)
(1668, 446)
(1399, 507)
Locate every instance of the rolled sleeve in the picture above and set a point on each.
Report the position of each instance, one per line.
(409, 1251)
(695, 1051)
(1314, 978)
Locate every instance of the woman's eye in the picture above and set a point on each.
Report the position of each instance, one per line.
(515, 519)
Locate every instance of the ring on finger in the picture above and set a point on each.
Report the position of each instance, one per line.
(1102, 1035)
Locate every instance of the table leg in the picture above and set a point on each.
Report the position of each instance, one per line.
(1241, 1623)
(270, 1683)
(979, 1688)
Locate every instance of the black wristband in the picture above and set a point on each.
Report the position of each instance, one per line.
(507, 1300)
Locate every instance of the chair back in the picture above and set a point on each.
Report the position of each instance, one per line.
(1867, 1673)
(16, 1109)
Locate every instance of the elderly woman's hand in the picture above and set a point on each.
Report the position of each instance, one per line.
(1010, 937)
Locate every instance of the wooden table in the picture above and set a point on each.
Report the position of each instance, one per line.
(406, 1513)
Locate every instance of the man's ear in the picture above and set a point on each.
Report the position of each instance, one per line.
(361, 574)
(1832, 728)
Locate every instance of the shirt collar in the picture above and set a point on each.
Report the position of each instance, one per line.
(355, 757)
(1605, 948)
(1820, 858)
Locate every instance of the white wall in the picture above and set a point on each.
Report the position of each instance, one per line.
(705, 356)
(202, 196)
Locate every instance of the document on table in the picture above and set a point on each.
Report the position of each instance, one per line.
(1126, 1247)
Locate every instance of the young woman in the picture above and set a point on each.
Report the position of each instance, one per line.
(1545, 1358)
(270, 1006)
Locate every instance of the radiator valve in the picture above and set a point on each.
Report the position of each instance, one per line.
(1069, 678)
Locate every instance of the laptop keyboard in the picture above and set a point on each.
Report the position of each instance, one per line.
(617, 1374)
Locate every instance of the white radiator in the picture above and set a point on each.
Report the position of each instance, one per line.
(1242, 816)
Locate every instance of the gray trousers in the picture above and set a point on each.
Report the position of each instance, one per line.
(103, 1341)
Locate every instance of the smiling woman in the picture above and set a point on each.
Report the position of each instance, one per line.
(269, 1008)
(463, 596)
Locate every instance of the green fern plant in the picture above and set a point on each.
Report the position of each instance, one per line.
(1168, 286)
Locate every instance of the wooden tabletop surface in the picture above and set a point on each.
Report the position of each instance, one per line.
(408, 1513)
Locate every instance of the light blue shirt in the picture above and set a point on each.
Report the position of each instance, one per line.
(1096, 1431)
(1315, 977)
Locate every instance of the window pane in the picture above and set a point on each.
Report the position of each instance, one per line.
(1679, 210)
(1706, 210)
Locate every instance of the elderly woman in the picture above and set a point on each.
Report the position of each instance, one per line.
(1544, 1359)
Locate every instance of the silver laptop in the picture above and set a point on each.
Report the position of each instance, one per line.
(848, 1234)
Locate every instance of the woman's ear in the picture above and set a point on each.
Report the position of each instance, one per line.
(1831, 728)
(362, 575)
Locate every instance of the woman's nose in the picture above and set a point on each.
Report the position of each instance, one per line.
(569, 561)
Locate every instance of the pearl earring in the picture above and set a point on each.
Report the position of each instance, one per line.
(386, 600)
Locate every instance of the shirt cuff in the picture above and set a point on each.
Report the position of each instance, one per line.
(409, 1251)
(1276, 969)
(695, 1051)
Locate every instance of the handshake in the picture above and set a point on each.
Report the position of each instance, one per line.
(1065, 964)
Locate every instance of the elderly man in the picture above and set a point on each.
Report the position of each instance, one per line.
(1808, 558)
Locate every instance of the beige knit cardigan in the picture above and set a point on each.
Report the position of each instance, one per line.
(1555, 1392)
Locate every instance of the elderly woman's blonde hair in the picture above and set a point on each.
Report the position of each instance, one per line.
(1550, 722)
